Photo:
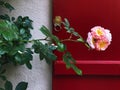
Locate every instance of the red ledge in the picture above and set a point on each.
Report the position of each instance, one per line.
(89, 68)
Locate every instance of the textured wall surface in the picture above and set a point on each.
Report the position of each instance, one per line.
(39, 78)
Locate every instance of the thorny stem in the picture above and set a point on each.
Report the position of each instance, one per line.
(39, 40)
(64, 40)
(71, 40)
(30, 41)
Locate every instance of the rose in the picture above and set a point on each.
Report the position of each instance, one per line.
(99, 38)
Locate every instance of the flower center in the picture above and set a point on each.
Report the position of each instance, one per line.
(102, 44)
(99, 32)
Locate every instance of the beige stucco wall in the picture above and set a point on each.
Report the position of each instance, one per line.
(39, 78)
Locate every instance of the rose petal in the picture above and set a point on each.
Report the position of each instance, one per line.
(90, 41)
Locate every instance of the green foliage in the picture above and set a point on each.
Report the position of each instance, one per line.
(8, 31)
(6, 5)
(23, 58)
(47, 33)
(2, 76)
(12, 45)
(70, 63)
(5, 17)
(24, 25)
(44, 51)
(72, 31)
(61, 47)
(21, 86)
(1, 89)
(15, 34)
(8, 85)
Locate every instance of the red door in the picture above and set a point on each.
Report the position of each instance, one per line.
(101, 70)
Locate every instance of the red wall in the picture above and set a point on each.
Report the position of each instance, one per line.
(101, 70)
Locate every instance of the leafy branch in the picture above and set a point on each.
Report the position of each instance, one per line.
(20, 86)
(6, 5)
(15, 33)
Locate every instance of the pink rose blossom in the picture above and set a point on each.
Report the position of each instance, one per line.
(101, 44)
(99, 38)
(97, 32)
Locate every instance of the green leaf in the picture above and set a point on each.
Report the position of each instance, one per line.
(56, 39)
(61, 47)
(75, 33)
(41, 56)
(23, 57)
(1, 2)
(17, 48)
(18, 58)
(3, 50)
(70, 30)
(19, 21)
(5, 17)
(3, 71)
(2, 89)
(70, 57)
(47, 33)
(49, 56)
(5, 47)
(52, 47)
(70, 63)
(28, 56)
(27, 22)
(8, 85)
(8, 30)
(22, 31)
(22, 86)
(67, 28)
(66, 60)
(76, 69)
(8, 6)
(3, 77)
(67, 24)
(28, 64)
(29, 50)
(44, 51)
(24, 25)
(13, 18)
(80, 40)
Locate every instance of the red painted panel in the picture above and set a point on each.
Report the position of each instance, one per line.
(83, 15)
(101, 70)
(89, 68)
(86, 83)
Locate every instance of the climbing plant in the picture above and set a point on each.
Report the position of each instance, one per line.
(15, 34)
